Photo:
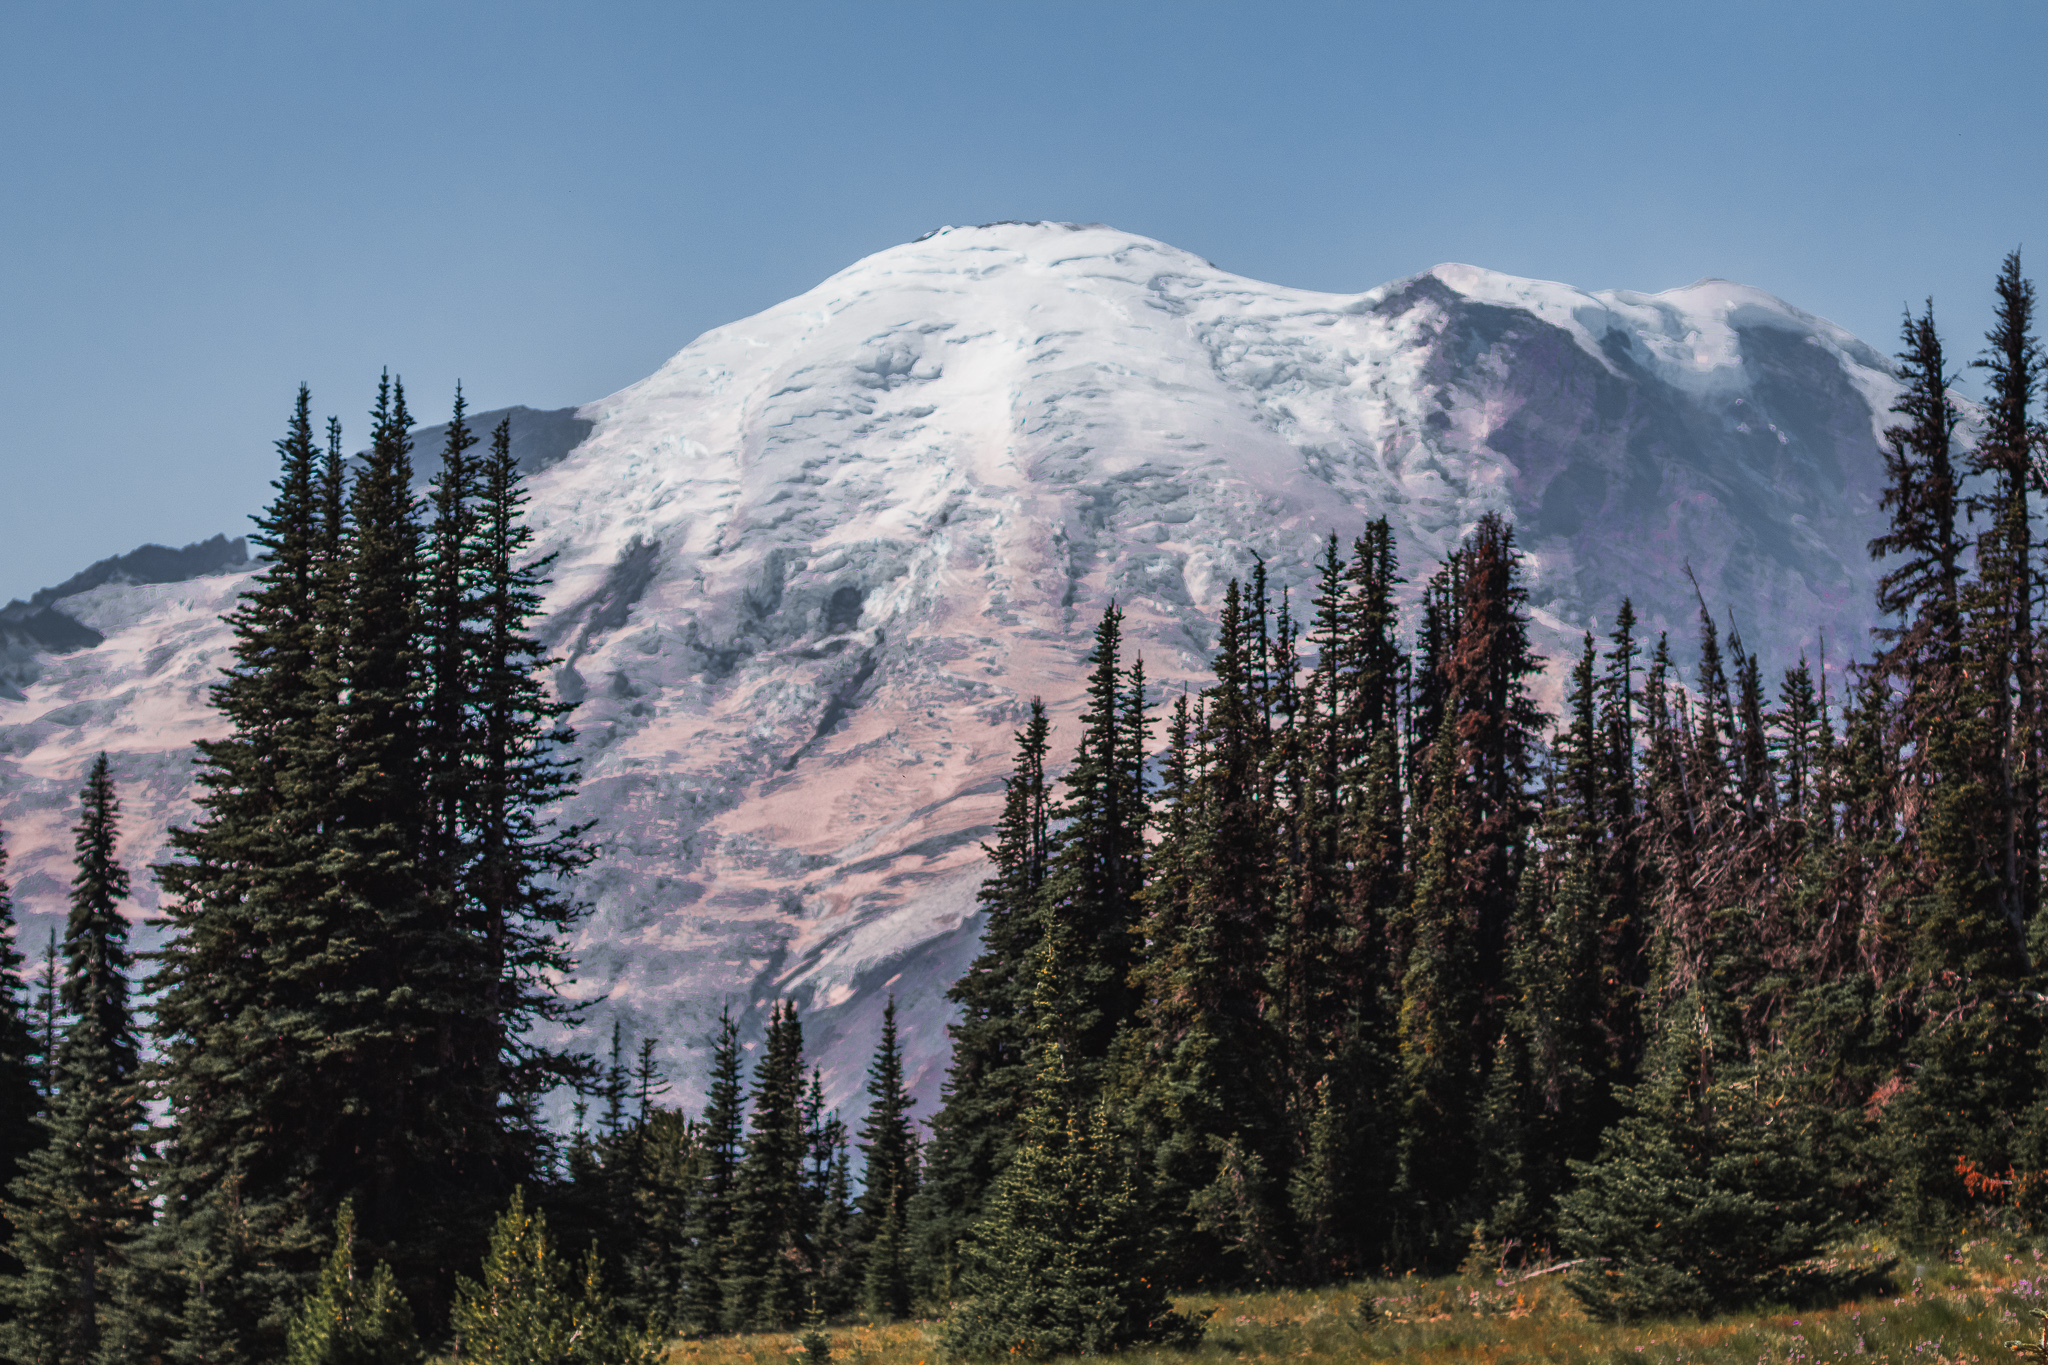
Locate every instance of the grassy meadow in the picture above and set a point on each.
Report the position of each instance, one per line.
(1959, 1311)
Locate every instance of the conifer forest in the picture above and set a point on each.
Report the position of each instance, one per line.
(1353, 962)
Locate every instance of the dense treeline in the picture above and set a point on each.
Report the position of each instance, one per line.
(364, 927)
(1385, 966)
(1355, 960)
(1352, 960)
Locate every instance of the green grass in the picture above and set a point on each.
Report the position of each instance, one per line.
(1942, 1312)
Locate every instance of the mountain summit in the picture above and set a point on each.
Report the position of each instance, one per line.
(809, 573)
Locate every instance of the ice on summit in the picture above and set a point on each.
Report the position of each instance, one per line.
(810, 571)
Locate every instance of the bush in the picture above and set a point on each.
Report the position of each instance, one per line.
(1702, 1199)
(523, 1312)
(343, 1321)
(1059, 1265)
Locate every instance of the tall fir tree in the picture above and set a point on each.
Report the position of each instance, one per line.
(2004, 596)
(1551, 1066)
(1921, 591)
(366, 920)
(711, 1230)
(261, 1005)
(1624, 933)
(1209, 1093)
(456, 1118)
(974, 1131)
(826, 1207)
(391, 1148)
(21, 1088)
(448, 609)
(518, 908)
(1098, 867)
(1439, 1030)
(766, 1274)
(79, 1202)
(1494, 721)
(1059, 1264)
(888, 1145)
(1950, 938)
(1471, 812)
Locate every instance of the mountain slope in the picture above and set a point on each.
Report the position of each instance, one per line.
(810, 570)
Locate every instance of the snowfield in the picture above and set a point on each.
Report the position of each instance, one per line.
(809, 573)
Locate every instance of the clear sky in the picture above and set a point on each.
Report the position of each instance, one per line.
(203, 204)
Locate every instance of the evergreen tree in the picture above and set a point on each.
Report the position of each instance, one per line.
(1705, 1195)
(348, 1322)
(1368, 745)
(1624, 939)
(97, 960)
(711, 1230)
(1058, 1265)
(1950, 934)
(764, 1279)
(842, 1268)
(531, 1308)
(392, 1149)
(1758, 789)
(655, 1259)
(1922, 589)
(269, 1008)
(21, 1086)
(975, 1129)
(1439, 1029)
(78, 1201)
(1321, 1188)
(1494, 721)
(366, 921)
(2004, 591)
(449, 608)
(1097, 870)
(826, 1201)
(616, 1084)
(888, 1145)
(1543, 1107)
(1211, 1101)
(518, 913)
(885, 1280)
(1344, 830)
(634, 1192)
(463, 1166)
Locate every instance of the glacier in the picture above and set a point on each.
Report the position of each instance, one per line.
(808, 574)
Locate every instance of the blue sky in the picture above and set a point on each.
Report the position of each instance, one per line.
(202, 205)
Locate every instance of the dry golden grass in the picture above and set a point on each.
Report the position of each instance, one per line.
(1950, 1312)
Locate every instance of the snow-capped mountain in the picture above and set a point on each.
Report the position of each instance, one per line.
(810, 571)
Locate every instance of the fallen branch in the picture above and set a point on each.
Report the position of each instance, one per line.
(1561, 1265)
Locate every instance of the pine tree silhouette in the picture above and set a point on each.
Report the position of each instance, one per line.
(888, 1146)
(1059, 1263)
(78, 1201)
(21, 1070)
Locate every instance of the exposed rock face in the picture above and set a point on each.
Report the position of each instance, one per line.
(540, 437)
(35, 627)
(810, 571)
